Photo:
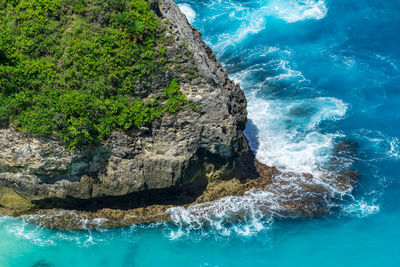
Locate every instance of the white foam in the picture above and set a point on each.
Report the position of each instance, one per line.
(380, 145)
(188, 11)
(285, 135)
(287, 197)
(361, 209)
(284, 132)
(240, 215)
(37, 234)
(298, 10)
(250, 22)
(58, 216)
(34, 234)
(285, 72)
(247, 27)
(245, 20)
(394, 151)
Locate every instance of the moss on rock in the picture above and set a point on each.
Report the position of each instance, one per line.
(12, 200)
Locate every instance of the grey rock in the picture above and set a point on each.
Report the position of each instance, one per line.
(186, 149)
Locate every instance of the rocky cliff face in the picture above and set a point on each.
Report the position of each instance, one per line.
(189, 148)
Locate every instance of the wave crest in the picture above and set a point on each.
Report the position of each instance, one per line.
(299, 10)
(188, 11)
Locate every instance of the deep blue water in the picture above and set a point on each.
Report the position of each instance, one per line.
(315, 72)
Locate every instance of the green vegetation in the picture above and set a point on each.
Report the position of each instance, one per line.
(74, 68)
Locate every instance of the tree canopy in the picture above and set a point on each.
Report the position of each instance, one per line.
(71, 68)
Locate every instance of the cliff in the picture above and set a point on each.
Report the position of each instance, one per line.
(186, 149)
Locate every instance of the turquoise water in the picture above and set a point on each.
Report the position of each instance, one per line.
(315, 72)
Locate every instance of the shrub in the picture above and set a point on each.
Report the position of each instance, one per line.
(72, 68)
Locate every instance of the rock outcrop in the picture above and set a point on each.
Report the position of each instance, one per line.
(187, 149)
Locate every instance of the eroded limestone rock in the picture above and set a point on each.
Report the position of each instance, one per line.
(192, 147)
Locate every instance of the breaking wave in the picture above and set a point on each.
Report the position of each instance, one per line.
(298, 10)
(188, 11)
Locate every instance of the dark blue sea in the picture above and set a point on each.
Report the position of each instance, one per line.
(322, 80)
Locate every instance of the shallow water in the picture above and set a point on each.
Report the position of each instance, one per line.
(315, 73)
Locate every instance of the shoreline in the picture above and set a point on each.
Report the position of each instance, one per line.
(73, 219)
(307, 203)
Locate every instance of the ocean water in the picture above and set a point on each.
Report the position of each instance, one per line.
(316, 73)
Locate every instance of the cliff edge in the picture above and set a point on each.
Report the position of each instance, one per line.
(186, 149)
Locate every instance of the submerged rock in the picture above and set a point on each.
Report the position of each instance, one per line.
(346, 147)
(42, 263)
